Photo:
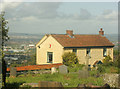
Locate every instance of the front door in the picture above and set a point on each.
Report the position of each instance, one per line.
(49, 57)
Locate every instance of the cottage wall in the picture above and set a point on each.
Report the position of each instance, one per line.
(56, 48)
(95, 54)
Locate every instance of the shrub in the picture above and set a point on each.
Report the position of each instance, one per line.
(76, 68)
(117, 61)
(70, 59)
(93, 73)
(100, 68)
(107, 61)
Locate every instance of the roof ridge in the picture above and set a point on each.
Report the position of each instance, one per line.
(73, 34)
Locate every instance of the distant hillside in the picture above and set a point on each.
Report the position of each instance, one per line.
(25, 35)
(20, 38)
(111, 37)
(16, 39)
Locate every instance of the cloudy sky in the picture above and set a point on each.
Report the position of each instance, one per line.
(56, 17)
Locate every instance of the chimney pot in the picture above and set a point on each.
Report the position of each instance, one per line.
(69, 32)
(101, 29)
(101, 32)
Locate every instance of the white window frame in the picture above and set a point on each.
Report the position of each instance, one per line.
(48, 61)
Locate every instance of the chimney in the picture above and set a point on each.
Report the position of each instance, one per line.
(101, 32)
(69, 32)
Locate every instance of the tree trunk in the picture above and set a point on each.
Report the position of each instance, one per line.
(4, 72)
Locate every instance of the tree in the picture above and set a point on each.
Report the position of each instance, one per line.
(4, 32)
(70, 59)
(32, 60)
(117, 62)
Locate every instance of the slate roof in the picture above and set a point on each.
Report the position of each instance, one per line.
(82, 40)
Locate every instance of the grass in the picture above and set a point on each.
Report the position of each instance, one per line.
(71, 79)
(67, 80)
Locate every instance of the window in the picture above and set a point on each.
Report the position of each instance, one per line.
(75, 51)
(88, 52)
(49, 57)
(104, 52)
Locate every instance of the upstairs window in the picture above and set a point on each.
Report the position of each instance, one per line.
(88, 52)
(75, 51)
(104, 52)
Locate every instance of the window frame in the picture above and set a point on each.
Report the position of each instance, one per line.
(48, 60)
(75, 51)
(88, 51)
(104, 52)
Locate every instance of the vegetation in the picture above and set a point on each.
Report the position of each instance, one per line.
(70, 59)
(107, 61)
(4, 31)
(71, 79)
(68, 80)
(32, 60)
(101, 68)
(115, 52)
(76, 68)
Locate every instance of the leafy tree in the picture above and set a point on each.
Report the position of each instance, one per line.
(117, 62)
(4, 32)
(115, 52)
(32, 60)
(70, 59)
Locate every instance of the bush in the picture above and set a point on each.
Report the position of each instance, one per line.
(70, 59)
(93, 73)
(100, 68)
(76, 68)
(117, 61)
(107, 61)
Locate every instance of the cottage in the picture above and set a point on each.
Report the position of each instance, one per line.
(52, 46)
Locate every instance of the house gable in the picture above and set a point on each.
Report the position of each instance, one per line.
(49, 45)
(42, 40)
(50, 40)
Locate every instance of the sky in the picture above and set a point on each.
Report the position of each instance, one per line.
(57, 17)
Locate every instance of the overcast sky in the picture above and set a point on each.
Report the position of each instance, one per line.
(57, 17)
